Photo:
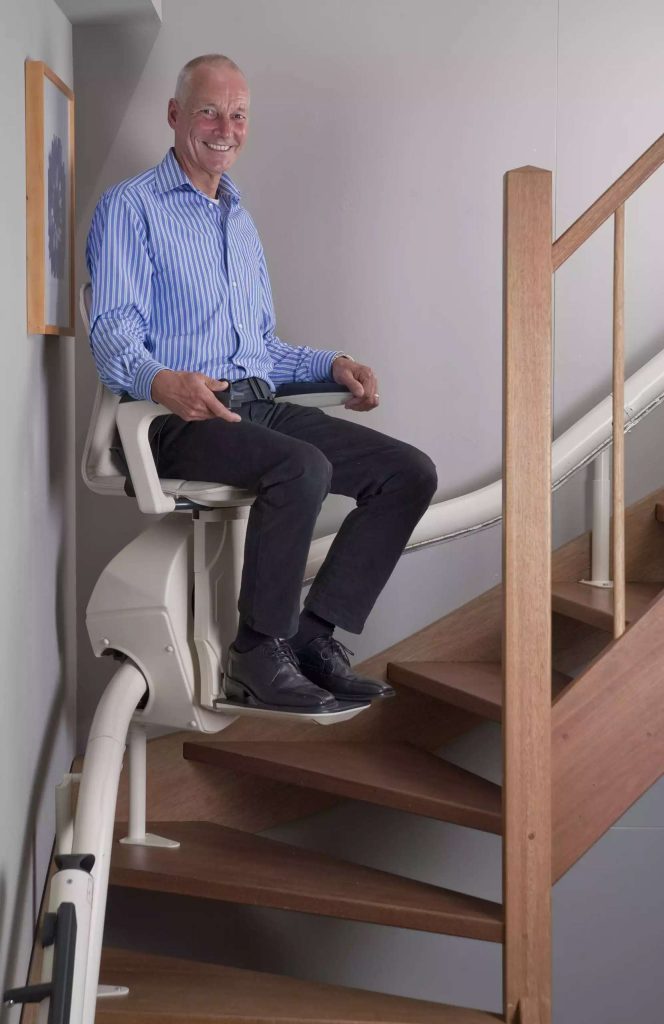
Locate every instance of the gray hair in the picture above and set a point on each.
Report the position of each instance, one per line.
(208, 60)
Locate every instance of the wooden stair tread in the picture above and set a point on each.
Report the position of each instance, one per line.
(165, 990)
(594, 605)
(390, 774)
(214, 862)
(475, 686)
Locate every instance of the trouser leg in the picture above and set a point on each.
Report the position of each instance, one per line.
(392, 482)
(290, 478)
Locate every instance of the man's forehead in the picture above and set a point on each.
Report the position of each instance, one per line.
(209, 84)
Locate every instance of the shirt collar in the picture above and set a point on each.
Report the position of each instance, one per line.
(169, 175)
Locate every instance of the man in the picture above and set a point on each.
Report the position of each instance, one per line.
(182, 314)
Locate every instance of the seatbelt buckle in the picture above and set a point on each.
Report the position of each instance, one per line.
(260, 388)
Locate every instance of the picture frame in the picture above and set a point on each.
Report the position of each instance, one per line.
(49, 135)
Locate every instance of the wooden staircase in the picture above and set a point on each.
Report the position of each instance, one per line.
(223, 859)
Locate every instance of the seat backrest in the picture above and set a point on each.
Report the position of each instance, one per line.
(98, 469)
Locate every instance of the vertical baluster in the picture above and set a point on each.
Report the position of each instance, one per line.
(619, 423)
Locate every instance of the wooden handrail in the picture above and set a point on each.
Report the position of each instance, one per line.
(608, 203)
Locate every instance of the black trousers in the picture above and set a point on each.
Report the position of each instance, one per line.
(291, 456)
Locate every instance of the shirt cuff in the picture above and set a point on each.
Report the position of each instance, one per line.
(321, 364)
(146, 373)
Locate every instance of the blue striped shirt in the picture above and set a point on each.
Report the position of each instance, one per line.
(180, 282)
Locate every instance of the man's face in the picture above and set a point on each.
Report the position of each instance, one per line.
(211, 124)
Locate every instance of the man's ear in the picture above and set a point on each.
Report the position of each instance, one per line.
(172, 113)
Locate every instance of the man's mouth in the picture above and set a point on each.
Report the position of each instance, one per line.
(218, 148)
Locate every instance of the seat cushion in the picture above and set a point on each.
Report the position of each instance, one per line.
(206, 493)
(201, 491)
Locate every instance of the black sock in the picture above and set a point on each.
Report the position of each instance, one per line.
(311, 626)
(247, 638)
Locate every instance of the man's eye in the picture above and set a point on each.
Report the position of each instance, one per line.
(209, 111)
(240, 117)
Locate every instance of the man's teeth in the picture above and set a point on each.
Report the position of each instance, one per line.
(220, 149)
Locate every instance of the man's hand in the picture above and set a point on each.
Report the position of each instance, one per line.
(360, 381)
(190, 395)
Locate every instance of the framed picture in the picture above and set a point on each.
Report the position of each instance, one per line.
(49, 133)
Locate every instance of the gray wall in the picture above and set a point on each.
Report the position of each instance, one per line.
(381, 131)
(37, 637)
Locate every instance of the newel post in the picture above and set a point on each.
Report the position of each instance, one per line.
(527, 439)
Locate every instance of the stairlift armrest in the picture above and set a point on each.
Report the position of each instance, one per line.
(313, 393)
(133, 420)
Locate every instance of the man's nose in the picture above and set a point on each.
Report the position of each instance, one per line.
(224, 125)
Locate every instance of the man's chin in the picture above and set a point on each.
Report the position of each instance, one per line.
(218, 164)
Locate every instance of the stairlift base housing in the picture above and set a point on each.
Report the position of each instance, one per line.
(168, 603)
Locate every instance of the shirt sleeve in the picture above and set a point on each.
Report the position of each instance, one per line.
(120, 269)
(290, 362)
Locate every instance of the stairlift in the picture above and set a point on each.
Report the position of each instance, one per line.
(166, 609)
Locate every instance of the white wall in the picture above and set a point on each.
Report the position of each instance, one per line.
(381, 131)
(37, 516)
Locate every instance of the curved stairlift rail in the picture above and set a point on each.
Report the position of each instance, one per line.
(579, 445)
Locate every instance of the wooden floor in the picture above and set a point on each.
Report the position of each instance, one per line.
(168, 991)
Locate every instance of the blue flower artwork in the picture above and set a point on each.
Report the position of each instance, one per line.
(57, 222)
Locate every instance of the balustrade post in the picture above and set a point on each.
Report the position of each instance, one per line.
(527, 596)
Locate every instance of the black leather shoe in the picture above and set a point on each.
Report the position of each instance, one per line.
(325, 662)
(269, 677)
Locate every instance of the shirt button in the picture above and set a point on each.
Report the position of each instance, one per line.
(240, 326)
(234, 283)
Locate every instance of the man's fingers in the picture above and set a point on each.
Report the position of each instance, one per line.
(216, 385)
(218, 409)
(361, 404)
(370, 387)
(352, 383)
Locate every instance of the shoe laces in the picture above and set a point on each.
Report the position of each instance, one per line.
(284, 653)
(331, 648)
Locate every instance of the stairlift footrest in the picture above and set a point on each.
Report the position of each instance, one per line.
(344, 714)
